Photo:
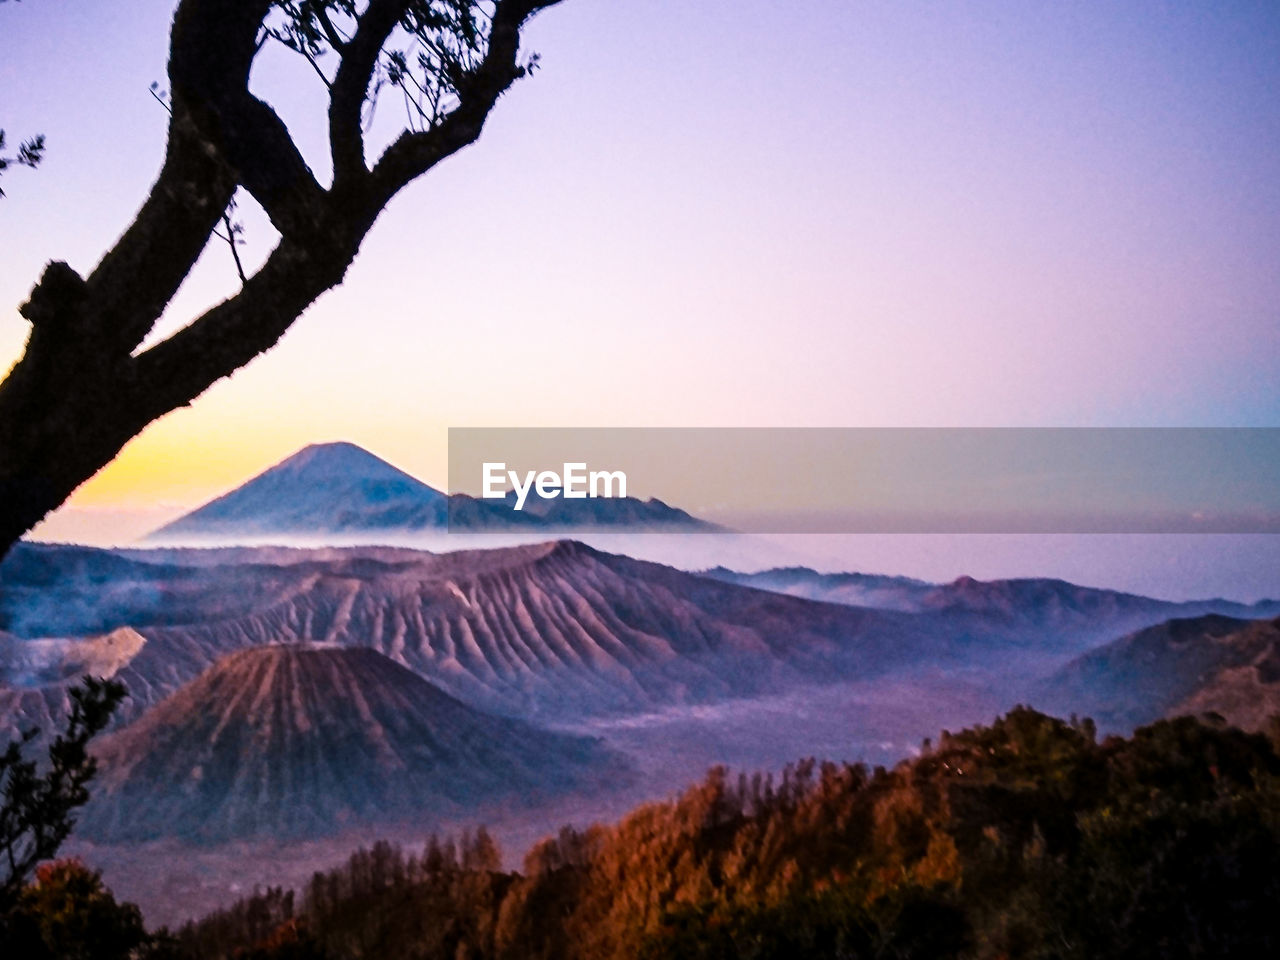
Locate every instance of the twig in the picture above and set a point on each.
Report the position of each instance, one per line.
(230, 238)
(231, 242)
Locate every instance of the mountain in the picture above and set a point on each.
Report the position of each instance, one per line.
(601, 513)
(36, 675)
(327, 487)
(553, 630)
(299, 741)
(854, 589)
(1208, 664)
(545, 630)
(1048, 613)
(1070, 617)
(33, 663)
(340, 488)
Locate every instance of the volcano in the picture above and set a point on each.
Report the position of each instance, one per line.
(341, 489)
(297, 741)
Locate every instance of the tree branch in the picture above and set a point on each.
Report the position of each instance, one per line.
(165, 239)
(336, 40)
(213, 46)
(177, 370)
(231, 242)
(351, 87)
(414, 153)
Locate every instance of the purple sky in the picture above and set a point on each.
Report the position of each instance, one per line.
(713, 213)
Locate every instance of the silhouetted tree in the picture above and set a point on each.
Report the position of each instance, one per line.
(67, 913)
(83, 388)
(38, 802)
(30, 153)
(480, 852)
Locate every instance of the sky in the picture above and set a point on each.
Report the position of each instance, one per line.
(745, 213)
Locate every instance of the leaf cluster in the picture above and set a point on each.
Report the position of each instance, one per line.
(30, 154)
(427, 60)
(38, 802)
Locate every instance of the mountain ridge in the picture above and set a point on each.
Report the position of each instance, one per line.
(1197, 665)
(1061, 611)
(552, 630)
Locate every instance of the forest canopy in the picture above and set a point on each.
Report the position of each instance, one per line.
(1025, 838)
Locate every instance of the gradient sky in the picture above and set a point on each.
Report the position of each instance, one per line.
(725, 214)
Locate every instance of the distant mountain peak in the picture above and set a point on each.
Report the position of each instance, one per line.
(339, 457)
(341, 488)
(324, 487)
(332, 448)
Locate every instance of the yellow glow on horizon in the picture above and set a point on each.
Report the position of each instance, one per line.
(199, 453)
(168, 465)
